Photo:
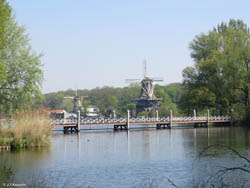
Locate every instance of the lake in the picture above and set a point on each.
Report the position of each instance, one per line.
(134, 158)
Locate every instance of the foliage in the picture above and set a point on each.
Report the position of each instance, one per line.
(20, 67)
(143, 114)
(5, 12)
(174, 91)
(108, 99)
(84, 109)
(166, 103)
(219, 80)
(5, 136)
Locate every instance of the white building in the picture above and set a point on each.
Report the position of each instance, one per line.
(92, 111)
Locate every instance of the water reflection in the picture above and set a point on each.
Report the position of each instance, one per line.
(97, 157)
(129, 152)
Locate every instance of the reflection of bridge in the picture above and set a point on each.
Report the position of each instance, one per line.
(124, 123)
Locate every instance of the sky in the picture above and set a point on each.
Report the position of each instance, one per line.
(95, 43)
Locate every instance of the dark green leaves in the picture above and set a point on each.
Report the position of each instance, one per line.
(220, 76)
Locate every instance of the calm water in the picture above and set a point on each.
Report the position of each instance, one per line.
(130, 159)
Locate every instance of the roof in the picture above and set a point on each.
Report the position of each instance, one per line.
(57, 111)
(92, 106)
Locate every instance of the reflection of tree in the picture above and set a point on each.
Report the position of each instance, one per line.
(225, 176)
(6, 173)
(223, 172)
(244, 167)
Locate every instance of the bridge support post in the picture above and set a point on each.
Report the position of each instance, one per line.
(78, 120)
(231, 117)
(157, 115)
(194, 114)
(207, 117)
(170, 118)
(128, 120)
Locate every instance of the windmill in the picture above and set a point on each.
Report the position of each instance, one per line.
(147, 100)
(77, 101)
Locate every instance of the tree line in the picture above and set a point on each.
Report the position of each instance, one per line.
(108, 99)
(219, 80)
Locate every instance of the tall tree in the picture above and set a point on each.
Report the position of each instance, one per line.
(220, 76)
(21, 66)
(5, 13)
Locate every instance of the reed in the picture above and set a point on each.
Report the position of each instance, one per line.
(30, 129)
(5, 137)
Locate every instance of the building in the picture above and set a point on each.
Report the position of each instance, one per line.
(61, 114)
(57, 114)
(92, 111)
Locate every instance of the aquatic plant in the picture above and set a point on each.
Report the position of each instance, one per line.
(31, 129)
(28, 129)
(5, 137)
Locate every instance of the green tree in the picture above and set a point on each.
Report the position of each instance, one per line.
(5, 14)
(143, 114)
(174, 91)
(166, 104)
(67, 104)
(108, 99)
(20, 85)
(220, 76)
(84, 110)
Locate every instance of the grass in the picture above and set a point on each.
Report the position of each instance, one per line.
(30, 129)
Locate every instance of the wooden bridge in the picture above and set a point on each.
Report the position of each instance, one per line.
(73, 125)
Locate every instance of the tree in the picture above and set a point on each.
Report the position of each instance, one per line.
(143, 114)
(108, 99)
(174, 91)
(23, 76)
(84, 110)
(166, 103)
(220, 76)
(5, 13)
(67, 104)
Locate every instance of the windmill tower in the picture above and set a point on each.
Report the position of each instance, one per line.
(77, 101)
(147, 100)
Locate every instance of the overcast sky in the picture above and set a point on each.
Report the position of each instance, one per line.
(96, 43)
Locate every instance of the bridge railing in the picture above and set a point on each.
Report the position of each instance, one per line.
(103, 120)
(219, 118)
(135, 120)
(142, 120)
(180, 119)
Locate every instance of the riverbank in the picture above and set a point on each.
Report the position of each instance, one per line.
(28, 129)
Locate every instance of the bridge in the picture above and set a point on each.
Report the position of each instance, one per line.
(74, 125)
